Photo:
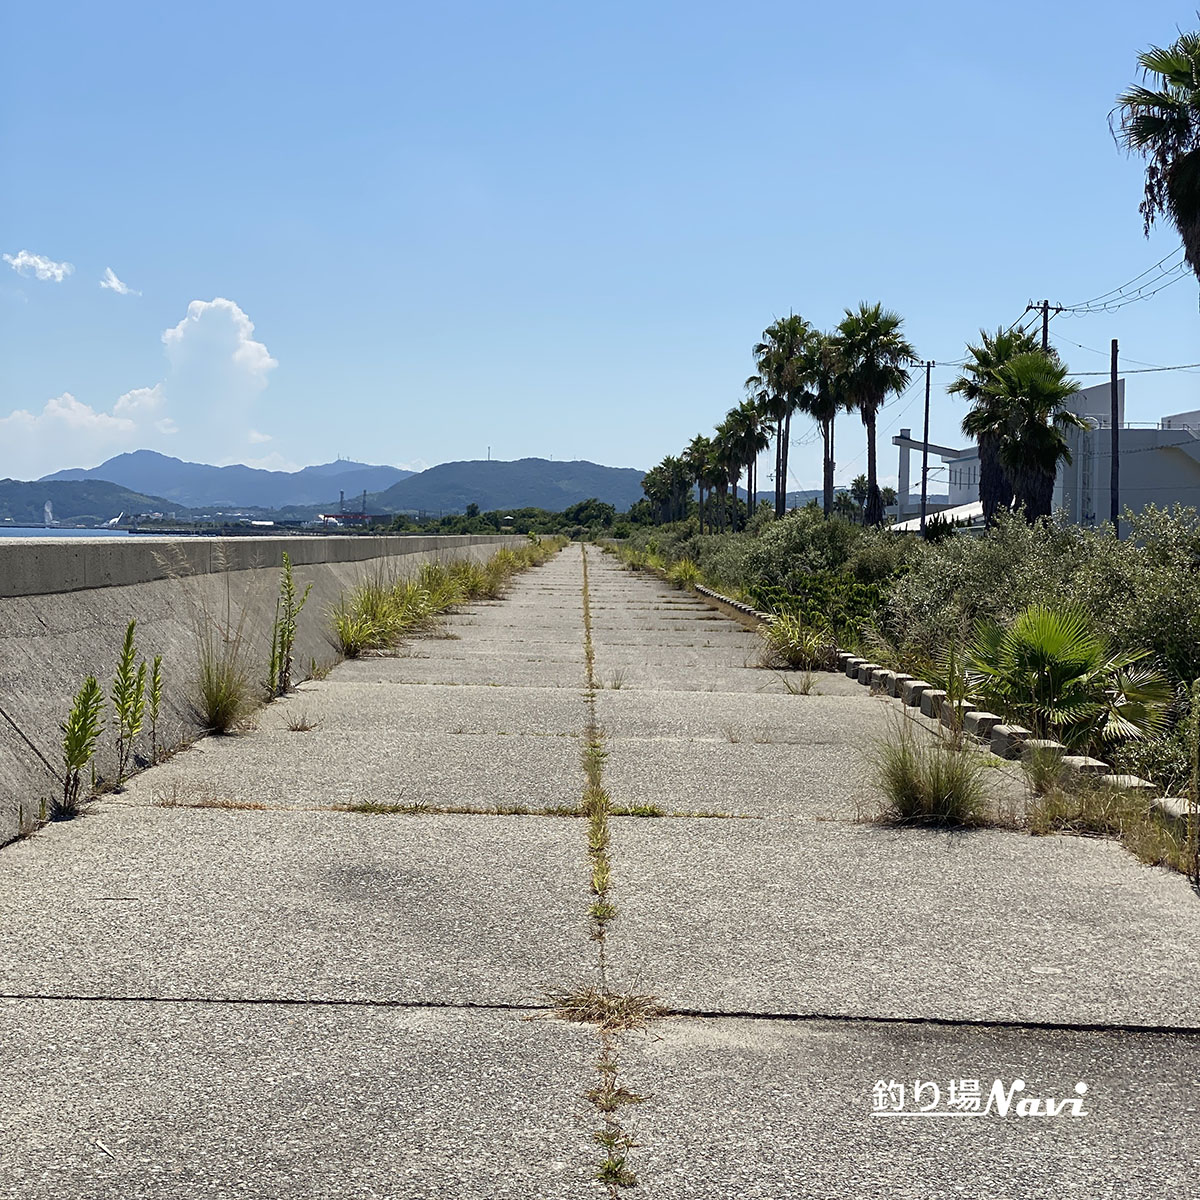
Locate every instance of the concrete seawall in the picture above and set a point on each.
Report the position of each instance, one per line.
(65, 605)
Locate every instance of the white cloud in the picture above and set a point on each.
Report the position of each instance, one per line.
(44, 268)
(113, 284)
(218, 329)
(216, 372)
(416, 466)
(66, 431)
(140, 401)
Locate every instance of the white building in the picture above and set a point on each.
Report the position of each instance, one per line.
(1160, 463)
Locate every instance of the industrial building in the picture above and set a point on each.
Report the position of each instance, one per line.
(1159, 464)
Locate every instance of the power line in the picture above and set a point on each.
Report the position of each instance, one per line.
(1118, 302)
(1113, 291)
(1142, 370)
(1104, 354)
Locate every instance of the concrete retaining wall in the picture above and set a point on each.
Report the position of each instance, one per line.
(65, 605)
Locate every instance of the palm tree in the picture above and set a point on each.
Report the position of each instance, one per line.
(696, 457)
(993, 351)
(1023, 409)
(860, 489)
(875, 356)
(755, 439)
(747, 440)
(760, 397)
(728, 453)
(827, 398)
(657, 488)
(781, 375)
(1162, 123)
(679, 484)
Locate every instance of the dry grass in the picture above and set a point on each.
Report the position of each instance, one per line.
(181, 797)
(420, 808)
(1085, 809)
(610, 1010)
(301, 723)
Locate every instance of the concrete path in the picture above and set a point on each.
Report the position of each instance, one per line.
(317, 959)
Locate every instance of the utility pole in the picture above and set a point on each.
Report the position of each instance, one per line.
(925, 449)
(1116, 446)
(1044, 309)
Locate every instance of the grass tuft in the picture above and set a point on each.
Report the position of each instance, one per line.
(926, 781)
(610, 1010)
(789, 642)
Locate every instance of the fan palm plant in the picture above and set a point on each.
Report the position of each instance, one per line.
(1023, 408)
(1049, 671)
(1161, 122)
(876, 357)
(758, 395)
(993, 351)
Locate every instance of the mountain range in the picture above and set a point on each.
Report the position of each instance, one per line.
(525, 483)
(197, 485)
(170, 483)
(91, 501)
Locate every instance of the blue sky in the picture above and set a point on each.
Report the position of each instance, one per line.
(404, 233)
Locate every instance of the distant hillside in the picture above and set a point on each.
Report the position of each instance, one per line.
(88, 500)
(198, 485)
(526, 483)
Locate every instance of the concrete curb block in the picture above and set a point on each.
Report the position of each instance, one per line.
(749, 610)
(1172, 806)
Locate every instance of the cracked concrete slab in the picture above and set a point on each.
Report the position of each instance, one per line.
(858, 920)
(133, 1101)
(339, 705)
(344, 766)
(774, 1109)
(494, 671)
(303, 905)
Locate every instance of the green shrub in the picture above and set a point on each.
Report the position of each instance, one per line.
(825, 599)
(683, 574)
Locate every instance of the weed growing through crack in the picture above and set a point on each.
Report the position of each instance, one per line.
(128, 700)
(81, 731)
(154, 692)
(590, 1005)
(288, 606)
(179, 796)
(301, 723)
